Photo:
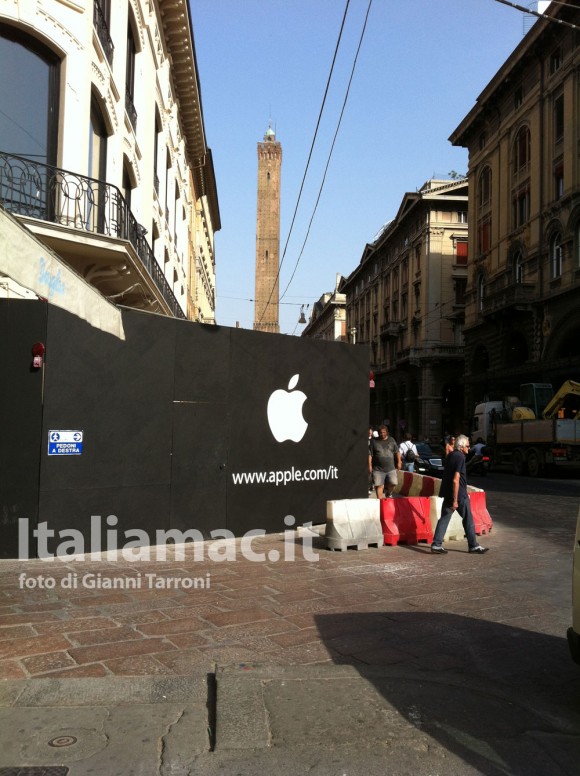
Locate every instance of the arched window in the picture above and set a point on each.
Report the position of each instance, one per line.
(29, 90)
(521, 150)
(556, 255)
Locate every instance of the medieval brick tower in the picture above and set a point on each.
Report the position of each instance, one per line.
(268, 234)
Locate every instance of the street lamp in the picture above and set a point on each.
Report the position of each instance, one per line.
(353, 334)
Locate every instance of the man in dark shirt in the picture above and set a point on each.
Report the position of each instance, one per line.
(384, 460)
(454, 494)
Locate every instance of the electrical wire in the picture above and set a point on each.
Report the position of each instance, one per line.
(309, 158)
(540, 15)
(331, 149)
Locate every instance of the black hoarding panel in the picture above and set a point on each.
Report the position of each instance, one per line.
(200, 427)
(298, 435)
(22, 324)
(81, 519)
(118, 393)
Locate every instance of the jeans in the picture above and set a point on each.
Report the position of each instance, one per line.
(464, 509)
(409, 467)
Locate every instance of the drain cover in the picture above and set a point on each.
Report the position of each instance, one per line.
(39, 770)
(62, 741)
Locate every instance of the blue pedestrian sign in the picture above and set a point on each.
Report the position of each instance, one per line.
(65, 442)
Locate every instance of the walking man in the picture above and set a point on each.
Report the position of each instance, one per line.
(384, 460)
(454, 493)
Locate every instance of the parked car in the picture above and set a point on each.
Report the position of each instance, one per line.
(429, 460)
(574, 631)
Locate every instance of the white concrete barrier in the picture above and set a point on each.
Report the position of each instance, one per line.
(353, 523)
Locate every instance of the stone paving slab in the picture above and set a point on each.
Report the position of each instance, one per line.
(105, 726)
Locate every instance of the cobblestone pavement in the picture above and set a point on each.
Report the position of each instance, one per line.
(394, 605)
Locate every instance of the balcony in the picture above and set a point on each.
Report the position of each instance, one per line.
(419, 356)
(89, 224)
(390, 329)
(503, 295)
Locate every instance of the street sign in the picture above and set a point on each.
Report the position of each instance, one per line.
(65, 442)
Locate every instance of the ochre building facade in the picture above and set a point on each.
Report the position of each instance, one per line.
(522, 316)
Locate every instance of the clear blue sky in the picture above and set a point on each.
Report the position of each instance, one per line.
(421, 67)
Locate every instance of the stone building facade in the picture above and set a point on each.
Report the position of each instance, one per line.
(405, 301)
(103, 152)
(328, 317)
(266, 306)
(522, 316)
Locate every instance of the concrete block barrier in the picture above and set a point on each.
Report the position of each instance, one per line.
(353, 524)
(481, 517)
(404, 483)
(455, 530)
(406, 520)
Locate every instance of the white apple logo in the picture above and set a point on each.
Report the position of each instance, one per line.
(285, 413)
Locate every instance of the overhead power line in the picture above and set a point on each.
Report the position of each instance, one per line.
(309, 158)
(331, 149)
(538, 14)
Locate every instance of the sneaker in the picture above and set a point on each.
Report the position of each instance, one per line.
(438, 549)
(479, 549)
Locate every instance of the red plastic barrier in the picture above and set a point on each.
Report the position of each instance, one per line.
(428, 488)
(481, 517)
(406, 520)
(407, 482)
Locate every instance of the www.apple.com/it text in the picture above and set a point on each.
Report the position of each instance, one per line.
(74, 581)
(283, 477)
(134, 544)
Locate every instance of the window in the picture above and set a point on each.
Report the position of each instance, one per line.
(518, 267)
(460, 287)
(130, 76)
(418, 258)
(555, 60)
(97, 164)
(484, 189)
(484, 236)
(461, 252)
(521, 207)
(482, 141)
(558, 118)
(97, 169)
(127, 185)
(156, 142)
(559, 180)
(462, 217)
(167, 179)
(480, 292)
(556, 255)
(102, 25)
(29, 91)
(521, 150)
(518, 97)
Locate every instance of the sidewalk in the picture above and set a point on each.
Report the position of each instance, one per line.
(390, 652)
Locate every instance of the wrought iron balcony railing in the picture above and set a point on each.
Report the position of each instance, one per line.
(29, 188)
(131, 111)
(102, 28)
